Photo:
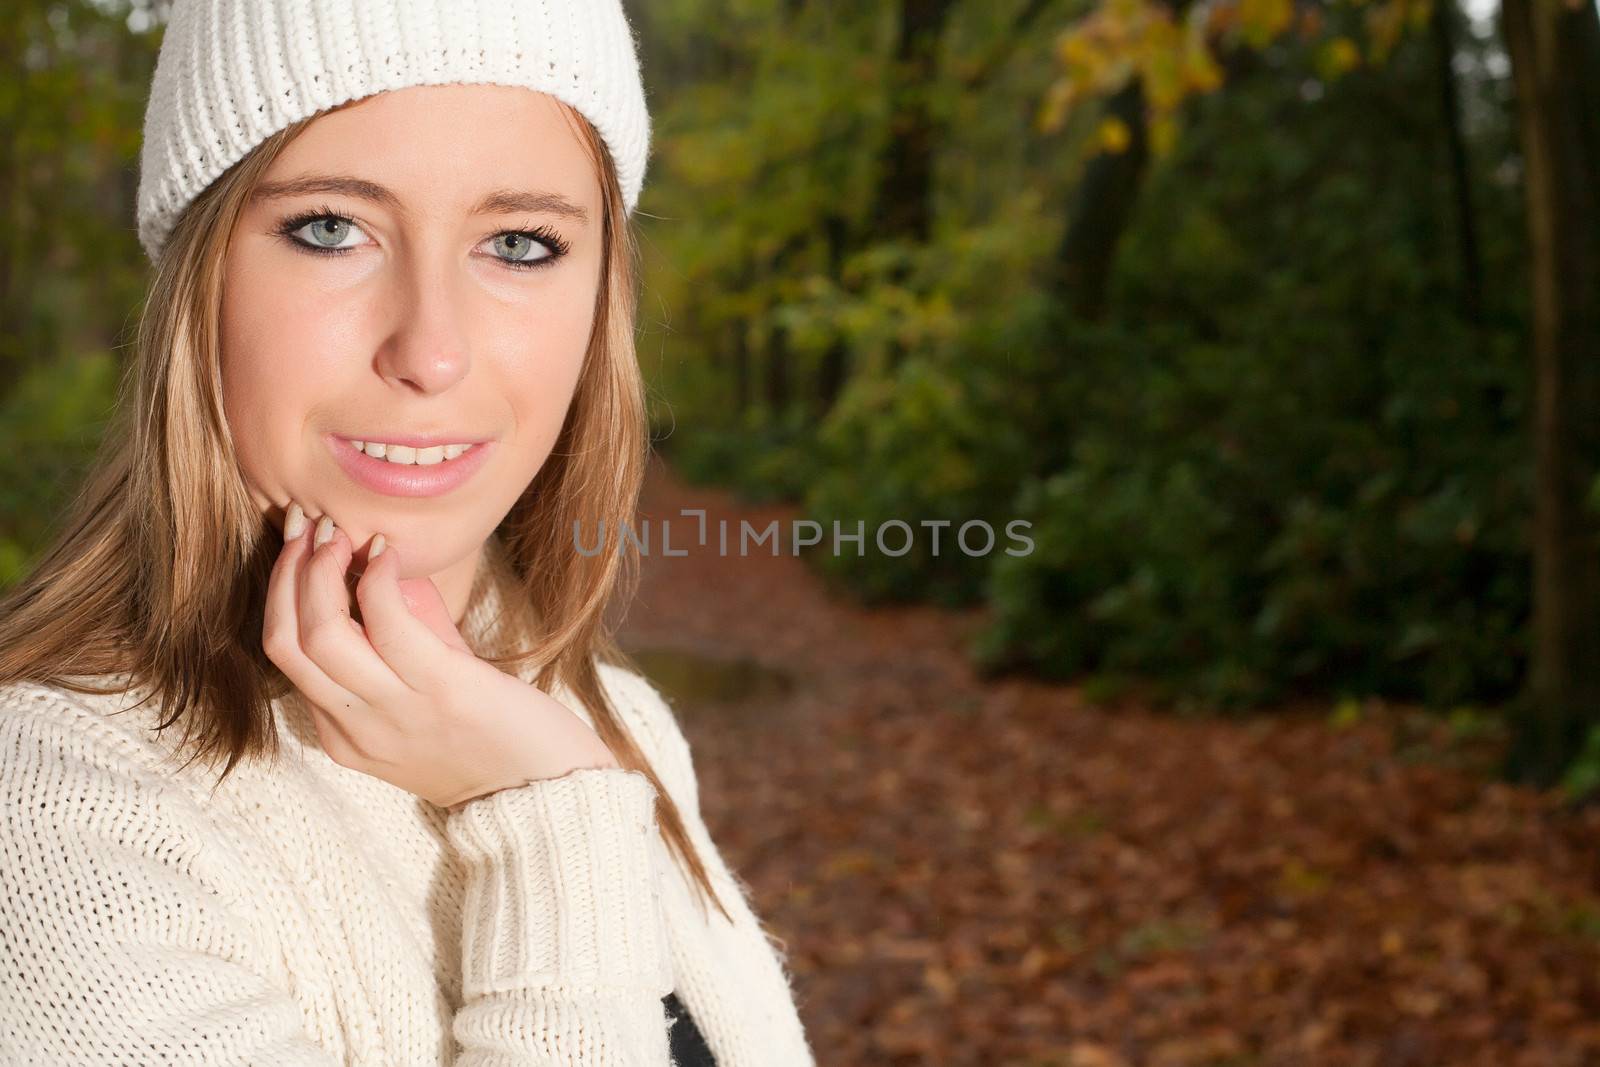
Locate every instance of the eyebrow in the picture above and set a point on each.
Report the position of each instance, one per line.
(498, 202)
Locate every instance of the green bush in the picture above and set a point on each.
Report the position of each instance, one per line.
(50, 424)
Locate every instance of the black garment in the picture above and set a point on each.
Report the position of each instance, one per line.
(689, 1048)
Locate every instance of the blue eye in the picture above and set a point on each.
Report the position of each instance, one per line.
(519, 247)
(524, 247)
(322, 231)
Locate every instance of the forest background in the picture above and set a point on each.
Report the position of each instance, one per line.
(1276, 321)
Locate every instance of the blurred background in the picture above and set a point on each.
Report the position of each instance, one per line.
(1278, 324)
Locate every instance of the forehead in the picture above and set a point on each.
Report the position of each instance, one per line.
(438, 146)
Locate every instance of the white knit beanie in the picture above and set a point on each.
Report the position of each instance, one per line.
(233, 72)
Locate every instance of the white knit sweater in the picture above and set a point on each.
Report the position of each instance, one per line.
(308, 914)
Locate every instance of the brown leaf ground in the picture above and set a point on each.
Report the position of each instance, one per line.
(1006, 872)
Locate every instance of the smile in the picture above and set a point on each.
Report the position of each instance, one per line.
(400, 469)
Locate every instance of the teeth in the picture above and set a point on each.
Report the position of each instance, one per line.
(407, 454)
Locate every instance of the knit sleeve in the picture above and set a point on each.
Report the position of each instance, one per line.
(564, 957)
(120, 944)
(115, 946)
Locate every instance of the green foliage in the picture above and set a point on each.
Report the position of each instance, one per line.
(1582, 779)
(920, 444)
(1302, 468)
(763, 460)
(1286, 461)
(71, 271)
(51, 424)
(71, 109)
(723, 264)
(758, 232)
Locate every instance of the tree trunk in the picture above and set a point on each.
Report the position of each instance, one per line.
(1445, 18)
(1105, 198)
(776, 382)
(1555, 57)
(835, 365)
(905, 193)
(739, 357)
(903, 206)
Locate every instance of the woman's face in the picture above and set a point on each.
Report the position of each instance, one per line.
(399, 278)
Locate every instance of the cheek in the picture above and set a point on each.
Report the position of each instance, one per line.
(281, 355)
(543, 359)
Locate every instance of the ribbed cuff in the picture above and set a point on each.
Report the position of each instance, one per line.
(561, 888)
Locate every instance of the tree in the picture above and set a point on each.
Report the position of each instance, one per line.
(1555, 58)
(1146, 58)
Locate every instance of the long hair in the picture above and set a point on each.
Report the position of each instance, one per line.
(158, 575)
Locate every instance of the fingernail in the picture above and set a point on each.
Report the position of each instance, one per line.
(324, 532)
(377, 548)
(294, 524)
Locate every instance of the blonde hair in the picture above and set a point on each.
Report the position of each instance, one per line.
(159, 573)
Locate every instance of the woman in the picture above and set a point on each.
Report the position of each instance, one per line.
(314, 745)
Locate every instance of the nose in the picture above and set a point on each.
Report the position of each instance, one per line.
(427, 349)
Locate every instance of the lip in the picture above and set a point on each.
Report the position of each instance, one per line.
(394, 479)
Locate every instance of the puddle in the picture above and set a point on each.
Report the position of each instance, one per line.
(691, 680)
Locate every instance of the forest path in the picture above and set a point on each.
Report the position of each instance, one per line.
(1004, 872)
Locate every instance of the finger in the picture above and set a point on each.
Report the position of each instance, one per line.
(335, 641)
(280, 627)
(422, 599)
(413, 649)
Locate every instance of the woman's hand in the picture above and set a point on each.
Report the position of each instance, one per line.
(400, 694)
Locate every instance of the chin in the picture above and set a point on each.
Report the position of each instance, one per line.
(427, 547)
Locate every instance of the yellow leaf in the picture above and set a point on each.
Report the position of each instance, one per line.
(1347, 713)
(1074, 49)
(1264, 20)
(1337, 57)
(1201, 72)
(1113, 135)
